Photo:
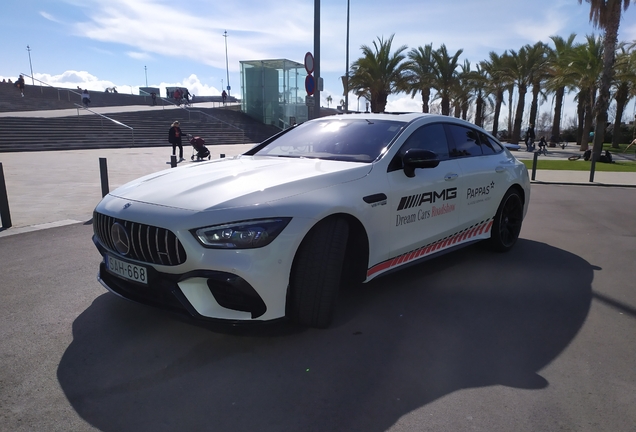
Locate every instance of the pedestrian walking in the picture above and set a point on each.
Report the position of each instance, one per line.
(224, 96)
(86, 98)
(530, 138)
(20, 84)
(174, 138)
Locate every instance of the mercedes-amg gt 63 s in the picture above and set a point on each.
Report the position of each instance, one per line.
(276, 232)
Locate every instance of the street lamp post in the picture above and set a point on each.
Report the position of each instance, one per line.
(30, 65)
(346, 89)
(227, 69)
(146, 71)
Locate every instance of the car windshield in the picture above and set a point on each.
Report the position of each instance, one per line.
(357, 140)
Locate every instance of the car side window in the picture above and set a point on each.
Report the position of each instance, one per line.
(487, 147)
(466, 141)
(495, 145)
(429, 137)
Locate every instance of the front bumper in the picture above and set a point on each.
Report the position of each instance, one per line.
(221, 296)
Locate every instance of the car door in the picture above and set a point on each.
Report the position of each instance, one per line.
(423, 208)
(481, 184)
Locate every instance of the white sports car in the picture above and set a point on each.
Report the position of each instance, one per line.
(277, 231)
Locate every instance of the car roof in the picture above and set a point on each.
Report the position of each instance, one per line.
(397, 117)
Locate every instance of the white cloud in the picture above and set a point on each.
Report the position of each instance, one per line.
(50, 17)
(73, 79)
(138, 55)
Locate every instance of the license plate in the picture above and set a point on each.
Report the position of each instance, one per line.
(126, 270)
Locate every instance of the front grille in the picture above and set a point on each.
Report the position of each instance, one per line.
(148, 244)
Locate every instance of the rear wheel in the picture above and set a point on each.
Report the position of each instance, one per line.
(507, 224)
(316, 273)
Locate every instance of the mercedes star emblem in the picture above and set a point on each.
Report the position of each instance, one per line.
(120, 238)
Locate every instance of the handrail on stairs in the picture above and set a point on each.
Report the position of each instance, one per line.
(190, 110)
(56, 88)
(132, 130)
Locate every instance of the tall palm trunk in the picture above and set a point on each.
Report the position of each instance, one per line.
(622, 97)
(558, 106)
(609, 56)
(445, 105)
(479, 104)
(534, 106)
(580, 113)
(511, 90)
(426, 95)
(495, 120)
(589, 118)
(516, 132)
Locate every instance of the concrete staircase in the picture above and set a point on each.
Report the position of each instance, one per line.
(225, 125)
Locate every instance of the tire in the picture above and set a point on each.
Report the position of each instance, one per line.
(316, 274)
(507, 223)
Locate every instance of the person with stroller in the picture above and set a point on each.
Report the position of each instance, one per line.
(174, 138)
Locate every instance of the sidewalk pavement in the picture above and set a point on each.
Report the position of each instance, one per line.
(54, 188)
(47, 189)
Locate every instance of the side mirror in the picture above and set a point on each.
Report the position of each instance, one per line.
(418, 158)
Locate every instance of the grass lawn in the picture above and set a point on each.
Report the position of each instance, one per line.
(581, 165)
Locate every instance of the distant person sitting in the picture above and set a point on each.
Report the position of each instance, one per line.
(86, 98)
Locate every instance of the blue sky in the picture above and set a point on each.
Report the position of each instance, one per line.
(96, 44)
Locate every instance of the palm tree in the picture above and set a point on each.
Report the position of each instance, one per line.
(519, 68)
(538, 64)
(421, 73)
(329, 99)
(587, 65)
(482, 89)
(462, 90)
(379, 73)
(444, 75)
(606, 15)
(625, 85)
(559, 78)
(497, 84)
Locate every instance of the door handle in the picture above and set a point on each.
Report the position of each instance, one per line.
(449, 177)
(500, 169)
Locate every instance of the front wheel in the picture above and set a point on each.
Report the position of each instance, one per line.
(316, 274)
(507, 223)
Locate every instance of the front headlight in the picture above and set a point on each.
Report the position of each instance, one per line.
(241, 235)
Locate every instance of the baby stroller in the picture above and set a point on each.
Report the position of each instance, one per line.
(198, 144)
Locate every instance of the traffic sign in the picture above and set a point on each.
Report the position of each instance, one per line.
(309, 63)
(310, 84)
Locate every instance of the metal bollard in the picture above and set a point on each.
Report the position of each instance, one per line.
(534, 165)
(5, 214)
(173, 161)
(103, 175)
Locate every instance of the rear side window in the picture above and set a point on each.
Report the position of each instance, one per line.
(465, 140)
(487, 146)
(496, 145)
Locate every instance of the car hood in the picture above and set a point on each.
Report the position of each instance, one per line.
(239, 181)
